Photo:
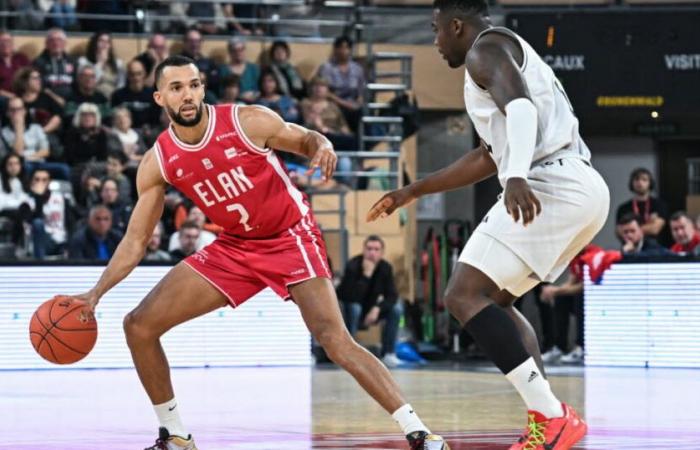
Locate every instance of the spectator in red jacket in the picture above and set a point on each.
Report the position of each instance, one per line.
(685, 237)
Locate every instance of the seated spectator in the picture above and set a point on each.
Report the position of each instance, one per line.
(87, 140)
(132, 142)
(231, 90)
(187, 241)
(57, 68)
(182, 211)
(197, 217)
(15, 202)
(85, 91)
(289, 80)
(685, 236)
(635, 242)
(156, 52)
(41, 106)
(110, 71)
(192, 48)
(97, 240)
(49, 225)
(116, 164)
(10, 63)
(29, 141)
(63, 15)
(651, 210)
(324, 116)
(137, 97)
(346, 80)
(121, 210)
(248, 72)
(567, 300)
(368, 295)
(209, 95)
(153, 250)
(270, 97)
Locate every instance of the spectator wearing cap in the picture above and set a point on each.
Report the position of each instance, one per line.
(685, 236)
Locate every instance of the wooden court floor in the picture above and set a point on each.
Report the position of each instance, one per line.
(307, 408)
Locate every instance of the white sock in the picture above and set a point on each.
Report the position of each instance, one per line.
(408, 420)
(169, 417)
(535, 390)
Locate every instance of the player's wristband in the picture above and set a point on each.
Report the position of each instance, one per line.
(521, 130)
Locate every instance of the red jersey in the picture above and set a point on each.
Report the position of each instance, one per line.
(241, 187)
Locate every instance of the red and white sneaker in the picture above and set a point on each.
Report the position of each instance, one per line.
(560, 433)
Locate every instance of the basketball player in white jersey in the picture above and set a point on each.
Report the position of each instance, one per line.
(553, 203)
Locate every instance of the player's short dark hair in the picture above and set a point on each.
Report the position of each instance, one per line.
(462, 7)
(175, 61)
(629, 218)
(340, 40)
(374, 238)
(189, 224)
(641, 171)
(679, 215)
(119, 156)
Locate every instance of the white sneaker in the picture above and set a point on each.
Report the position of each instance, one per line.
(552, 355)
(391, 360)
(573, 357)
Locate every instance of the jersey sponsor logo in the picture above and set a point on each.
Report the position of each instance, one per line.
(207, 163)
(298, 272)
(231, 152)
(225, 186)
(221, 137)
(683, 61)
(567, 63)
(175, 157)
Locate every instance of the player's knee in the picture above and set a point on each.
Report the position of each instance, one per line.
(336, 342)
(136, 329)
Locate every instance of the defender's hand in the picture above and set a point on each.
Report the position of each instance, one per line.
(326, 159)
(388, 204)
(519, 198)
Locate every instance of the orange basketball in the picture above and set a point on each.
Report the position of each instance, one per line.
(58, 334)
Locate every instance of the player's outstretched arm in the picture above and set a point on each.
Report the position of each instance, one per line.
(145, 216)
(268, 130)
(471, 168)
(492, 64)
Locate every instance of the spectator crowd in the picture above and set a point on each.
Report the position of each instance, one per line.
(75, 127)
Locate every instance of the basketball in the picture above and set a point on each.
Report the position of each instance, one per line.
(58, 334)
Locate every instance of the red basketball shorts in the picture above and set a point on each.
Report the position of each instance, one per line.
(240, 268)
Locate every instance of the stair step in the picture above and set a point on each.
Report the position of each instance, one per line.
(391, 74)
(378, 105)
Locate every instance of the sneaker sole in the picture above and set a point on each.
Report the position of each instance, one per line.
(572, 439)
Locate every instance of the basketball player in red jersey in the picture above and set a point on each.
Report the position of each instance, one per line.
(221, 158)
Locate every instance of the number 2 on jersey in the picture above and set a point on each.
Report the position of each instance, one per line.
(244, 215)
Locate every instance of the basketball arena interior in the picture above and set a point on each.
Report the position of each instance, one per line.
(619, 330)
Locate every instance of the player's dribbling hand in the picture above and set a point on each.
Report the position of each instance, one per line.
(389, 202)
(519, 198)
(90, 299)
(326, 159)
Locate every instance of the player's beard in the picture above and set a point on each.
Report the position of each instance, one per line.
(178, 119)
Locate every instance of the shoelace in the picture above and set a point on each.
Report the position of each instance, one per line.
(160, 445)
(535, 433)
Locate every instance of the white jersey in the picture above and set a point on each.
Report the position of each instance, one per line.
(557, 125)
